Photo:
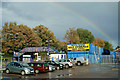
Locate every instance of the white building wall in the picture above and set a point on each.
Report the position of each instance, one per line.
(57, 57)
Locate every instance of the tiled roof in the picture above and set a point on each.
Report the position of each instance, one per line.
(38, 49)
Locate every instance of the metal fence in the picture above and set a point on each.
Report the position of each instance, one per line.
(104, 59)
(108, 59)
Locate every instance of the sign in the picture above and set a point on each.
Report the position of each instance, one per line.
(78, 47)
(27, 56)
(16, 54)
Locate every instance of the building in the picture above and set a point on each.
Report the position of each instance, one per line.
(91, 52)
(57, 56)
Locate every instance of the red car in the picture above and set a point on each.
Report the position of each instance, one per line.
(39, 66)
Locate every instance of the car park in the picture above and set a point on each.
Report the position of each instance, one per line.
(39, 66)
(57, 66)
(18, 67)
(66, 62)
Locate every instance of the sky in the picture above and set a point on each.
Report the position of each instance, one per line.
(100, 18)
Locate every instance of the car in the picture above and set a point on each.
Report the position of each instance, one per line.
(51, 68)
(57, 66)
(61, 65)
(66, 62)
(39, 66)
(18, 67)
(78, 60)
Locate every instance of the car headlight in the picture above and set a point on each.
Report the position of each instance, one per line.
(60, 64)
(26, 69)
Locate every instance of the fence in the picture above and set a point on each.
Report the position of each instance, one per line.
(104, 59)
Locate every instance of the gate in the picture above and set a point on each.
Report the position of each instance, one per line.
(108, 59)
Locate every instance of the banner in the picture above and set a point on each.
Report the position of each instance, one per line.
(78, 47)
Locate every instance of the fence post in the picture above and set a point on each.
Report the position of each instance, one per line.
(115, 58)
(109, 59)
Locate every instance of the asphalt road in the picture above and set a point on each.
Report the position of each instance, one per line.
(90, 71)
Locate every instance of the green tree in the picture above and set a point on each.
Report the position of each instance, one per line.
(25, 37)
(108, 46)
(85, 36)
(71, 36)
(46, 35)
(99, 42)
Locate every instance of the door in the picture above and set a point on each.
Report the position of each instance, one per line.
(17, 67)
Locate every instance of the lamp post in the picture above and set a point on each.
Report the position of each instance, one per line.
(48, 47)
(1, 54)
(13, 46)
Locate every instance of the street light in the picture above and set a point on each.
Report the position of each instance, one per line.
(48, 46)
(13, 45)
(1, 54)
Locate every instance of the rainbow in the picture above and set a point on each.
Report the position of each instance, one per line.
(85, 19)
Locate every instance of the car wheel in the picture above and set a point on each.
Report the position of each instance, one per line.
(58, 68)
(78, 64)
(66, 66)
(7, 71)
(36, 71)
(22, 72)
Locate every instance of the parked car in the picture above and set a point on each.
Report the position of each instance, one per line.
(39, 66)
(18, 67)
(61, 65)
(57, 66)
(51, 68)
(66, 62)
(78, 60)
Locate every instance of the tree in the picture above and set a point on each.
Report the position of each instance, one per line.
(85, 36)
(99, 42)
(25, 37)
(63, 46)
(46, 35)
(108, 46)
(71, 36)
(117, 47)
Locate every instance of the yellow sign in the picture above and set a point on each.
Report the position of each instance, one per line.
(78, 47)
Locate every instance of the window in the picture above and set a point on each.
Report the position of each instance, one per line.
(59, 60)
(64, 61)
(68, 60)
(74, 58)
(39, 65)
(16, 64)
(45, 64)
(11, 64)
(32, 65)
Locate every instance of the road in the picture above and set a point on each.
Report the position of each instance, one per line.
(90, 71)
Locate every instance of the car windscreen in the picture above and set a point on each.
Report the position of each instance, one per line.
(24, 65)
(52, 62)
(57, 62)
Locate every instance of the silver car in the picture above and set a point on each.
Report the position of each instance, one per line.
(17, 67)
(51, 68)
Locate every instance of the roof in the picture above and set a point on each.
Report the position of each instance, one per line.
(38, 49)
(37, 62)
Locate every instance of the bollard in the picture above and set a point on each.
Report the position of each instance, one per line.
(86, 61)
